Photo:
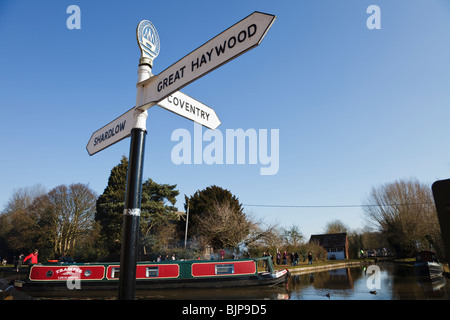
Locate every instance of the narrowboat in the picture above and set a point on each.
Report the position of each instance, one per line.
(428, 265)
(154, 275)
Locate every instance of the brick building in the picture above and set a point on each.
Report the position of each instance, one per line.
(336, 244)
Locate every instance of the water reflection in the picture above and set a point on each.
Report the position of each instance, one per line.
(406, 286)
(433, 288)
(396, 282)
(333, 284)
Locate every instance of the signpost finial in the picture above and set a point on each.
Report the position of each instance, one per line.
(148, 41)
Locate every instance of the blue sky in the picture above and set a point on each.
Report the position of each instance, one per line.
(355, 108)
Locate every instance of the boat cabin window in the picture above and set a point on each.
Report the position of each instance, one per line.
(152, 272)
(115, 272)
(224, 268)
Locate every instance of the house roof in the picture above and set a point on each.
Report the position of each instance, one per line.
(330, 240)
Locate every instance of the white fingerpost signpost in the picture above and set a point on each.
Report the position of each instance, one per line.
(162, 90)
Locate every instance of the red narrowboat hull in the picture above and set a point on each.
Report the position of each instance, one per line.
(150, 275)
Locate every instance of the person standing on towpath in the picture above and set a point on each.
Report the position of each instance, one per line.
(309, 258)
(33, 257)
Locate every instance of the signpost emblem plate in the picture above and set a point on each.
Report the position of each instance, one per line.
(148, 39)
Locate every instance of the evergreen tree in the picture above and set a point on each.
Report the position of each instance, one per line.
(109, 213)
(157, 211)
(216, 218)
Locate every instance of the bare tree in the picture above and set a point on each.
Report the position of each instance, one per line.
(22, 198)
(404, 212)
(292, 236)
(18, 228)
(223, 227)
(71, 211)
(336, 226)
(263, 235)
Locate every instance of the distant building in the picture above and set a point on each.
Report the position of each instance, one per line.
(336, 244)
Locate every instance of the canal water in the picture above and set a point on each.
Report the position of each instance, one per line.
(385, 281)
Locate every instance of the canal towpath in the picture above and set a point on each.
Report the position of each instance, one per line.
(318, 266)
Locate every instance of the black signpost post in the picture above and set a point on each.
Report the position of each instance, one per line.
(133, 194)
(131, 215)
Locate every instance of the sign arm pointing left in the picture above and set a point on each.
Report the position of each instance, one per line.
(178, 103)
(111, 133)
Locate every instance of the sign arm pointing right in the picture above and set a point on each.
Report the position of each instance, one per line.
(231, 43)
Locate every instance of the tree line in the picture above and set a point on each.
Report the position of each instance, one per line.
(73, 220)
